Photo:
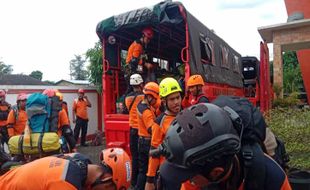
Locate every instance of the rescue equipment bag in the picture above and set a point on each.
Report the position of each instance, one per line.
(40, 143)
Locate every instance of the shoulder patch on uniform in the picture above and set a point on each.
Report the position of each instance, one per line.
(160, 118)
(142, 107)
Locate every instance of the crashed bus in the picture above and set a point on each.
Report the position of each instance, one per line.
(179, 39)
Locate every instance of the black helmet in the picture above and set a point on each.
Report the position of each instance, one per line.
(201, 134)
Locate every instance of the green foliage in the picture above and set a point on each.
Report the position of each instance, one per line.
(77, 71)
(37, 75)
(5, 69)
(290, 101)
(292, 79)
(95, 70)
(277, 89)
(293, 127)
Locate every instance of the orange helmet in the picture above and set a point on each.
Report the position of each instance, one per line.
(118, 160)
(148, 32)
(81, 90)
(59, 94)
(2, 93)
(21, 97)
(151, 88)
(195, 80)
(49, 92)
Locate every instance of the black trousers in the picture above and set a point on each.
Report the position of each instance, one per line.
(81, 125)
(4, 134)
(144, 148)
(133, 141)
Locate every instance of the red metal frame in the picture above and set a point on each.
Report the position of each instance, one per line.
(264, 78)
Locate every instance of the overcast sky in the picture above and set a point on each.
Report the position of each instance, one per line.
(45, 35)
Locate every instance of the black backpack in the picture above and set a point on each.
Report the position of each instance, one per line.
(281, 156)
(251, 126)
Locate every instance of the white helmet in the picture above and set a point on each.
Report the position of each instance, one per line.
(136, 79)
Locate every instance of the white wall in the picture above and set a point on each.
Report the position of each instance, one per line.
(69, 93)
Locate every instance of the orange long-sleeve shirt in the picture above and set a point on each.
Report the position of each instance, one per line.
(17, 123)
(135, 50)
(4, 109)
(133, 117)
(63, 120)
(159, 132)
(146, 119)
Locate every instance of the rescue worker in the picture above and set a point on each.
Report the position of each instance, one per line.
(64, 128)
(146, 120)
(80, 116)
(132, 100)
(203, 145)
(170, 94)
(71, 172)
(194, 93)
(17, 118)
(136, 56)
(5, 108)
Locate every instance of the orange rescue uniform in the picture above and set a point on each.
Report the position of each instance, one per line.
(4, 108)
(49, 173)
(80, 108)
(63, 120)
(187, 102)
(135, 50)
(146, 119)
(159, 132)
(133, 117)
(18, 124)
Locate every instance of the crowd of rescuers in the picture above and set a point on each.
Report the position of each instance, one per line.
(153, 109)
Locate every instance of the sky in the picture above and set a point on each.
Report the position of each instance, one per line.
(45, 35)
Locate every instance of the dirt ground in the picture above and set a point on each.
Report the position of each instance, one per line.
(92, 151)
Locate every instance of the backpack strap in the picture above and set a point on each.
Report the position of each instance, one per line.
(254, 168)
(130, 106)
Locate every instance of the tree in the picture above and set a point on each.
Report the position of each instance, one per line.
(292, 79)
(37, 75)
(5, 69)
(94, 56)
(77, 71)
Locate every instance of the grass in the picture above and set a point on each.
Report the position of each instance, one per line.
(293, 127)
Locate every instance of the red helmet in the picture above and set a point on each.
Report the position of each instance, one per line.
(2, 93)
(49, 92)
(148, 32)
(21, 97)
(81, 90)
(118, 160)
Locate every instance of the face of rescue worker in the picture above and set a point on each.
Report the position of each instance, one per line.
(81, 95)
(194, 90)
(146, 40)
(22, 104)
(173, 102)
(152, 101)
